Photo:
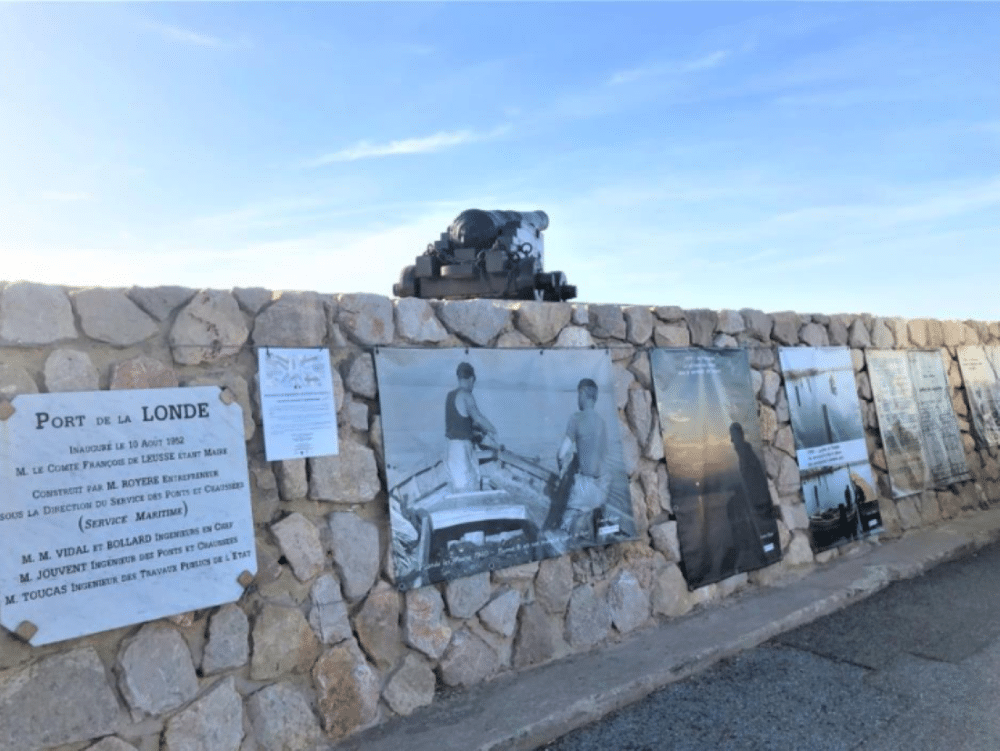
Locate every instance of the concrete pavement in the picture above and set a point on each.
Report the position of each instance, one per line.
(827, 689)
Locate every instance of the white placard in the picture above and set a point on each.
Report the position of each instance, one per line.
(296, 396)
(121, 507)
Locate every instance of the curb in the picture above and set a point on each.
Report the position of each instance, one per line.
(527, 709)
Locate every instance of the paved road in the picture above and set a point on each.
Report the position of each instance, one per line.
(915, 667)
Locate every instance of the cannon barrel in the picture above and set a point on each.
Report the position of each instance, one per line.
(475, 228)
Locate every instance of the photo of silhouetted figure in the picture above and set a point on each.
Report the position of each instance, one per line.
(718, 486)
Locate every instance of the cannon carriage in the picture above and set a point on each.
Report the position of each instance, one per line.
(491, 254)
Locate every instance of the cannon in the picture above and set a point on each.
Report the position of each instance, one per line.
(494, 254)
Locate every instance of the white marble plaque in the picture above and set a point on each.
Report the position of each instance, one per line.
(120, 507)
(297, 405)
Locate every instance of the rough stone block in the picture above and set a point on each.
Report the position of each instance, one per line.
(630, 603)
(156, 674)
(665, 540)
(228, 641)
(468, 661)
(574, 337)
(361, 377)
(537, 637)
(588, 620)
(524, 572)
(354, 543)
(160, 302)
(788, 479)
(814, 335)
(299, 541)
(858, 337)
(730, 322)
(425, 626)
(282, 718)
(909, 513)
(639, 324)
(607, 321)
(671, 335)
(416, 321)
(410, 687)
(294, 319)
(328, 617)
(15, 380)
(253, 299)
(142, 372)
(213, 723)
(62, 698)
(107, 315)
(348, 690)
(292, 480)
(209, 328)
(467, 595)
(882, 336)
(554, 584)
(918, 332)
(367, 318)
(670, 595)
(283, 643)
(758, 324)
(542, 321)
(378, 628)
(69, 370)
(500, 614)
(786, 328)
(349, 477)
(514, 340)
(953, 333)
(640, 413)
(479, 321)
(701, 323)
(34, 314)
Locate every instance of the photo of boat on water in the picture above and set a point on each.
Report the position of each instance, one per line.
(718, 486)
(496, 458)
(841, 503)
(837, 481)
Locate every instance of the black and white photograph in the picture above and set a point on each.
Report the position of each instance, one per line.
(981, 373)
(837, 481)
(718, 485)
(920, 435)
(823, 403)
(496, 458)
(841, 502)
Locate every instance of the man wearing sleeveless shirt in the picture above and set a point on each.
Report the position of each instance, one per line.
(461, 415)
(587, 436)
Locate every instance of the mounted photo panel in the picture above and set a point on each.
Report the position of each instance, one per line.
(837, 480)
(496, 458)
(718, 486)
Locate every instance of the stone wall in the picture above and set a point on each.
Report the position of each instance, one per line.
(322, 644)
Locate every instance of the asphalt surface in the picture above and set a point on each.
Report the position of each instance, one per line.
(915, 666)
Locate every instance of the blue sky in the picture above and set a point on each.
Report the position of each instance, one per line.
(821, 157)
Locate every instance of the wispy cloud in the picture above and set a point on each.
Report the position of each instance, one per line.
(670, 67)
(420, 145)
(192, 38)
